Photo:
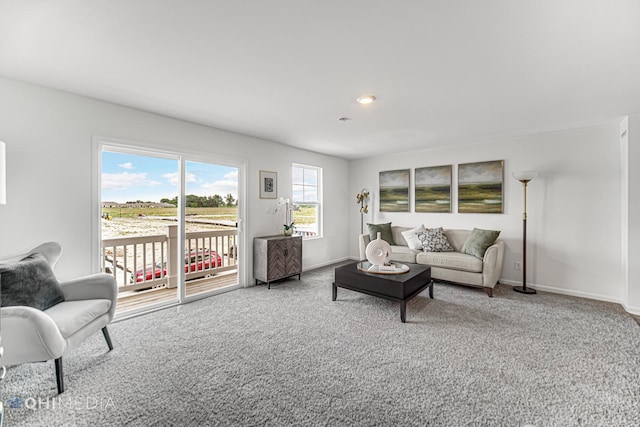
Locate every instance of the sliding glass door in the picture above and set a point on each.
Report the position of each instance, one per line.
(168, 225)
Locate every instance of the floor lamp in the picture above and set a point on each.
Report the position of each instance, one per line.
(524, 177)
(362, 198)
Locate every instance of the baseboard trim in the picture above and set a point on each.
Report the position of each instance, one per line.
(324, 264)
(573, 293)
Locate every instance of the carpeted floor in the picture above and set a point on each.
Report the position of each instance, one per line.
(291, 356)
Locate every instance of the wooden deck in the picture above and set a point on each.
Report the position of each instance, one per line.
(136, 300)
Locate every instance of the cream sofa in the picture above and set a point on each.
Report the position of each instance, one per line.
(449, 266)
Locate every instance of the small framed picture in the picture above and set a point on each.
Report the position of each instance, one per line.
(268, 185)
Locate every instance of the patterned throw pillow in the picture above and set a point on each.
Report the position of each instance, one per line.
(434, 240)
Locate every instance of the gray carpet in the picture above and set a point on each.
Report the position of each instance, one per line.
(291, 356)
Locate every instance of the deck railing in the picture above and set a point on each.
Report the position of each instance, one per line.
(144, 262)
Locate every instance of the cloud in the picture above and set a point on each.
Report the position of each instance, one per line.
(124, 180)
(127, 165)
(399, 178)
(222, 187)
(232, 176)
(173, 177)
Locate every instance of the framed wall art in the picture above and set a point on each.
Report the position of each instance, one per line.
(432, 191)
(394, 191)
(268, 185)
(480, 187)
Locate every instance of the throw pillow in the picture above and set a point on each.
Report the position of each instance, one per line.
(478, 242)
(30, 282)
(383, 229)
(434, 240)
(411, 236)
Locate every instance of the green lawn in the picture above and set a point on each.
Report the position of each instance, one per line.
(230, 214)
(304, 216)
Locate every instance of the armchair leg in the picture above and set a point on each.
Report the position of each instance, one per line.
(107, 338)
(489, 292)
(59, 378)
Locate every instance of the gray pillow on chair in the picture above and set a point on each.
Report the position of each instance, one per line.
(30, 282)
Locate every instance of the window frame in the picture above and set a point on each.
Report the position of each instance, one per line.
(318, 203)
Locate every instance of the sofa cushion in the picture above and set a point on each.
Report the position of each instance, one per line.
(478, 242)
(403, 254)
(411, 237)
(434, 240)
(452, 260)
(71, 316)
(30, 282)
(383, 229)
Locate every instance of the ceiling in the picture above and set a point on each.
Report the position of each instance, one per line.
(446, 73)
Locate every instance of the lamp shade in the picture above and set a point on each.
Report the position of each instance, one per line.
(3, 174)
(525, 175)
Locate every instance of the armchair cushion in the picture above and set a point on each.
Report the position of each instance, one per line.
(71, 316)
(30, 282)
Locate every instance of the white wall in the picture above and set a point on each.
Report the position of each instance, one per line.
(573, 231)
(49, 160)
(633, 215)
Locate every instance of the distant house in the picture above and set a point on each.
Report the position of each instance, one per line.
(137, 205)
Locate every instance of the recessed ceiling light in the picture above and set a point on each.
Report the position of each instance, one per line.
(366, 99)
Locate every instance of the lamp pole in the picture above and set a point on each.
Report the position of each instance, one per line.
(524, 178)
(362, 198)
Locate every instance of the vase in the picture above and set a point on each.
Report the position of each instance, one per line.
(378, 251)
(288, 232)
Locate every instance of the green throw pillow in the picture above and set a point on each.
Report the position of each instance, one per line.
(383, 229)
(478, 242)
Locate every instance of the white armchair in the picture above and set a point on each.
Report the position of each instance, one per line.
(31, 335)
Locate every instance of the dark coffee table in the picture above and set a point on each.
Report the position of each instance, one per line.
(394, 287)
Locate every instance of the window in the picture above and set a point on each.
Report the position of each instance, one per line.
(307, 194)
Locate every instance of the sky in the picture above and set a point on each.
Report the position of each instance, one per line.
(130, 177)
(398, 178)
(472, 173)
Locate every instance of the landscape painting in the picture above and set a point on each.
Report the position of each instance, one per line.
(480, 187)
(433, 189)
(394, 191)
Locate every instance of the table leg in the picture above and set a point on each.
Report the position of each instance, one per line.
(403, 311)
(334, 292)
(431, 290)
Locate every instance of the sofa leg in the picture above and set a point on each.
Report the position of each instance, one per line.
(489, 292)
(59, 375)
(107, 338)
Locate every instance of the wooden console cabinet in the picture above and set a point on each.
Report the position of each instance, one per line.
(276, 257)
